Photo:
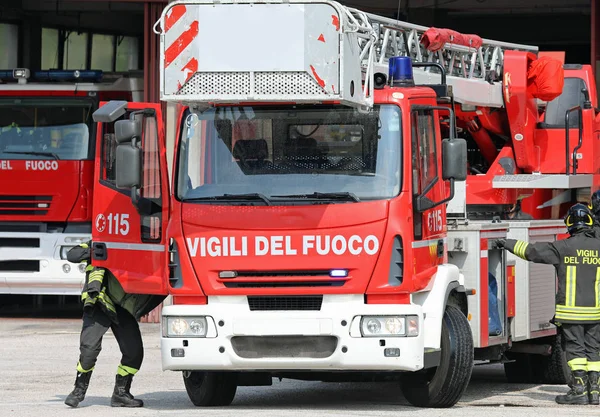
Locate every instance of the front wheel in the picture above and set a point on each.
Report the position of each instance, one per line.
(443, 386)
(210, 389)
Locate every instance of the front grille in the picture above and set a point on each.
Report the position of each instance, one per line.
(283, 279)
(254, 347)
(24, 205)
(19, 242)
(294, 303)
(20, 266)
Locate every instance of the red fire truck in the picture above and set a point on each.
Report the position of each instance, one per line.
(324, 221)
(47, 146)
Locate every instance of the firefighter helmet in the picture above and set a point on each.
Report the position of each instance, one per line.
(579, 217)
(595, 204)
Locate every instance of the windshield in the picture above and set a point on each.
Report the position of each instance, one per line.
(290, 152)
(41, 128)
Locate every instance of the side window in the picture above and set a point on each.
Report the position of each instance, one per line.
(424, 159)
(423, 149)
(151, 180)
(109, 154)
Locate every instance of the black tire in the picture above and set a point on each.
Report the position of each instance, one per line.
(443, 386)
(210, 389)
(554, 369)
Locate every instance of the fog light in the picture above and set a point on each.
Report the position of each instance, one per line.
(391, 352)
(177, 353)
(66, 268)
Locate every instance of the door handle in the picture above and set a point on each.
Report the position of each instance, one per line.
(99, 251)
(440, 248)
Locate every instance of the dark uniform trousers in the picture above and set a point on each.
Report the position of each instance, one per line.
(577, 263)
(127, 332)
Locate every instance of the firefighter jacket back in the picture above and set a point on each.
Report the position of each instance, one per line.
(577, 263)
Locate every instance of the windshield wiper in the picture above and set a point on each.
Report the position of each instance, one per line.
(247, 197)
(53, 155)
(323, 196)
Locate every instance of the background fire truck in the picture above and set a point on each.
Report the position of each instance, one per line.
(47, 146)
(319, 226)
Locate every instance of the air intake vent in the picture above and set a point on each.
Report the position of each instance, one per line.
(306, 303)
(397, 263)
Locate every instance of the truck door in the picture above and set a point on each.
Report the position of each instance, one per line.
(129, 237)
(429, 224)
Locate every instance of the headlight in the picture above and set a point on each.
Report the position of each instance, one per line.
(184, 327)
(382, 326)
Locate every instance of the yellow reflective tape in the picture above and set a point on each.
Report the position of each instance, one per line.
(578, 317)
(84, 245)
(107, 302)
(523, 249)
(574, 288)
(84, 371)
(518, 247)
(126, 370)
(568, 286)
(578, 364)
(593, 367)
(89, 268)
(577, 309)
(95, 278)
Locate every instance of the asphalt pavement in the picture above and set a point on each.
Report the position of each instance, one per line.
(37, 370)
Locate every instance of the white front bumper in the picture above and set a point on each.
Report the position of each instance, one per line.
(231, 317)
(49, 278)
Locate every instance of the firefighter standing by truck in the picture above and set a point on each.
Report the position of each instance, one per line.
(577, 261)
(106, 306)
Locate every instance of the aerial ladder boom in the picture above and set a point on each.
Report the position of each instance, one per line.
(308, 51)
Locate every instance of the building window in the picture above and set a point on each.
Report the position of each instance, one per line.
(75, 56)
(103, 52)
(50, 48)
(9, 37)
(127, 53)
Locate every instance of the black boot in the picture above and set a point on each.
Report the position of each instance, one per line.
(578, 394)
(121, 396)
(593, 387)
(81, 385)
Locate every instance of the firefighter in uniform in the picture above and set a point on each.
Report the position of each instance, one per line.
(106, 305)
(577, 261)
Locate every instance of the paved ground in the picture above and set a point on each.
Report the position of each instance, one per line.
(38, 357)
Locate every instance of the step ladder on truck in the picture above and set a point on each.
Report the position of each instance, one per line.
(317, 225)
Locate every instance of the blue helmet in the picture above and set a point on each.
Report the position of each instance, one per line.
(579, 217)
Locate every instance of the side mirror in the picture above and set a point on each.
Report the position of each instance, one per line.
(454, 159)
(128, 166)
(126, 130)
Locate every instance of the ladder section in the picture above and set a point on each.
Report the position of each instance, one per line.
(226, 51)
(474, 71)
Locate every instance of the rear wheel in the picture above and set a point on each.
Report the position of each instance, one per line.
(210, 389)
(444, 385)
(555, 369)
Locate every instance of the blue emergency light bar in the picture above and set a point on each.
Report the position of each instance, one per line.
(401, 72)
(22, 74)
(68, 75)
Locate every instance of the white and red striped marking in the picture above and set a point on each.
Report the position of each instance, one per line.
(180, 33)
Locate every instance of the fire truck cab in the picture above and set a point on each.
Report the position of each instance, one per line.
(47, 150)
(323, 219)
